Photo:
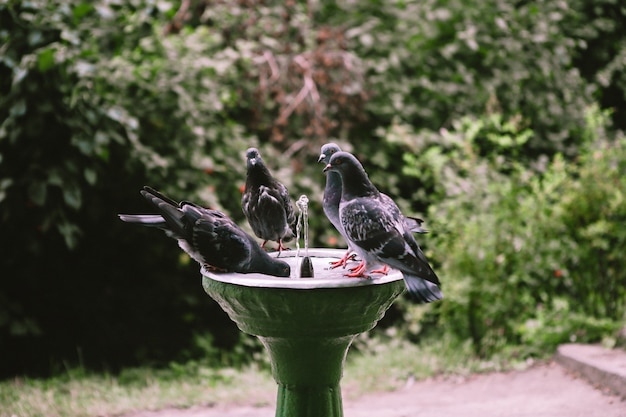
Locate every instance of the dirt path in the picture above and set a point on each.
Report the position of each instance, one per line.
(546, 390)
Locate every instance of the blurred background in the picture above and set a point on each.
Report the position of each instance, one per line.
(498, 122)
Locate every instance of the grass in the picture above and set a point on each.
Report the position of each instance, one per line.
(378, 366)
(80, 395)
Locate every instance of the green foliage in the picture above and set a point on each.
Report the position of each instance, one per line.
(431, 62)
(599, 27)
(95, 87)
(176, 93)
(592, 208)
(204, 351)
(561, 323)
(518, 246)
(94, 104)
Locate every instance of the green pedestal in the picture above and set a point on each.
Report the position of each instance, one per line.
(306, 325)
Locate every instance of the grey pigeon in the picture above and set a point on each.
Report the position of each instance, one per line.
(266, 203)
(332, 197)
(208, 236)
(377, 230)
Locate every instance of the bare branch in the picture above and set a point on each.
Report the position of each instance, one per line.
(293, 104)
(179, 18)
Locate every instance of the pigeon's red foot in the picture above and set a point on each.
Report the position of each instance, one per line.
(281, 247)
(358, 272)
(343, 261)
(360, 265)
(384, 270)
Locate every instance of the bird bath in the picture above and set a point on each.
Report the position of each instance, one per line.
(306, 324)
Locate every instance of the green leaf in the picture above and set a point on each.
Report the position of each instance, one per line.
(37, 192)
(70, 233)
(72, 196)
(81, 10)
(5, 183)
(55, 178)
(19, 108)
(18, 75)
(104, 154)
(45, 59)
(90, 176)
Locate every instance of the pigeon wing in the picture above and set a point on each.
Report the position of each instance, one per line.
(366, 224)
(290, 215)
(376, 227)
(221, 242)
(270, 211)
(225, 245)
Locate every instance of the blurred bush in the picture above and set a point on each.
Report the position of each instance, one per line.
(521, 253)
(453, 107)
(95, 104)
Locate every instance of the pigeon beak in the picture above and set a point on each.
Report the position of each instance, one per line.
(321, 158)
(327, 167)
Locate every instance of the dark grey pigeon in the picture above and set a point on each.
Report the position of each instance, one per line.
(377, 230)
(208, 236)
(266, 203)
(332, 197)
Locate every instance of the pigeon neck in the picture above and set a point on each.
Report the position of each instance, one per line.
(333, 181)
(259, 175)
(356, 183)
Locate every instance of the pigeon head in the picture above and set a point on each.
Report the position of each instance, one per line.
(253, 157)
(354, 178)
(278, 268)
(327, 151)
(257, 171)
(343, 162)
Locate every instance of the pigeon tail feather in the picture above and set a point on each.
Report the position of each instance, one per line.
(151, 220)
(172, 215)
(422, 291)
(159, 195)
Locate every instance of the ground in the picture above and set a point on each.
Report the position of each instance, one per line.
(544, 390)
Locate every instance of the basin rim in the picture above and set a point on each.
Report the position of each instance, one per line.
(319, 257)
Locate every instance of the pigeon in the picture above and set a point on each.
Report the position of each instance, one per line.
(208, 236)
(332, 197)
(266, 203)
(378, 232)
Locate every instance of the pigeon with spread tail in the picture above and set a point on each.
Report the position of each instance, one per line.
(208, 236)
